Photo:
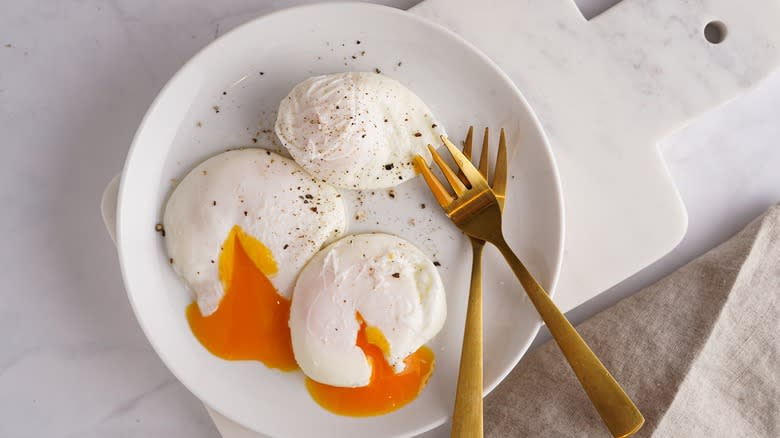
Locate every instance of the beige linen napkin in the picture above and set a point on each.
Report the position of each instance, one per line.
(699, 352)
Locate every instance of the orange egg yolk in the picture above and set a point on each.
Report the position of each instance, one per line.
(386, 391)
(251, 320)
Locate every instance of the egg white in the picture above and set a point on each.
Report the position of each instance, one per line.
(393, 286)
(269, 196)
(356, 130)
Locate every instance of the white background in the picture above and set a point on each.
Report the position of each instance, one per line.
(75, 79)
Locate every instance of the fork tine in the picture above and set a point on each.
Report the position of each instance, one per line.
(468, 169)
(452, 178)
(467, 152)
(483, 157)
(467, 144)
(500, 175)
(441, 194)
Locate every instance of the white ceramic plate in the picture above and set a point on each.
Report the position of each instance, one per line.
(227, 95)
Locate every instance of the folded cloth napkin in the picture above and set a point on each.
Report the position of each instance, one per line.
(698, 352)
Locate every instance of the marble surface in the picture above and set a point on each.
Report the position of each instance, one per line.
(75, 80)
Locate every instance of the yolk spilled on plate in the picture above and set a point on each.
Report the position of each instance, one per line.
(386, 391)
(251, 320)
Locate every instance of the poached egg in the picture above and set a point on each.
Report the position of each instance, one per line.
(356, 130)
(239, 228)
(376, 284)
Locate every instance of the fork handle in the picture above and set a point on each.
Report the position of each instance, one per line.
(467, 415)
(615, 407)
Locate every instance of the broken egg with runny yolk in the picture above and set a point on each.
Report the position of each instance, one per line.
(362, 311)
(251, 320)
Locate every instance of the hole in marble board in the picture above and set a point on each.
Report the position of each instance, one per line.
(715, 32)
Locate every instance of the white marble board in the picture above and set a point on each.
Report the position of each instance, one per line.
(607, 90)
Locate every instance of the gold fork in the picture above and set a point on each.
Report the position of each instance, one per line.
(467, 414)
(476, 211)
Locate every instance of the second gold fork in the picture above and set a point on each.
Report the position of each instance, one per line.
(467, 414)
